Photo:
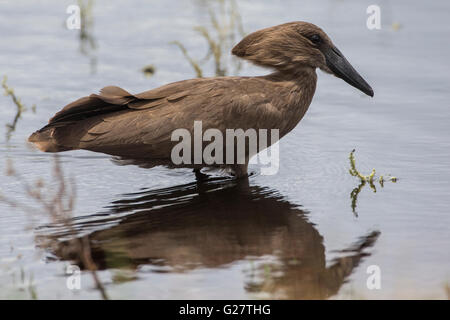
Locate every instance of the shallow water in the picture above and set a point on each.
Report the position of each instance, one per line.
(157, 234)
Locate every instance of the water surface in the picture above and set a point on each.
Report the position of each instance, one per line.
(158, 234)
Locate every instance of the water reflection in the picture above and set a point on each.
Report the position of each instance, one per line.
(213, 225)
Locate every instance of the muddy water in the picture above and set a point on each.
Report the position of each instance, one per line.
(158, 234)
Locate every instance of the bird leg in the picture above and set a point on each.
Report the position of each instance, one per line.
(239, 171)
(199, 175)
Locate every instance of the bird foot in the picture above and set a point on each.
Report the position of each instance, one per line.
(199, 176)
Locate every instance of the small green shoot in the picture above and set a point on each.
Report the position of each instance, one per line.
(11, 127)
(369, 179)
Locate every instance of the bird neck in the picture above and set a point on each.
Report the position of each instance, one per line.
(301, 77)
(294, 94)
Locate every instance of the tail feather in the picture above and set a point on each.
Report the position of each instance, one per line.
(44, 141)
(65, 129)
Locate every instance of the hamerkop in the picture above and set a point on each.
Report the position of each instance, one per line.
(140, 126)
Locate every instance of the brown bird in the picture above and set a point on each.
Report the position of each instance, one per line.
(140, 126)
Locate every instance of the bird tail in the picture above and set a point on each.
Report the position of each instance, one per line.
(66, 127)
(45, 141)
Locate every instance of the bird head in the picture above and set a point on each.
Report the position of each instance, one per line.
(293, 46)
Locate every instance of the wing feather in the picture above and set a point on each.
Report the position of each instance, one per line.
(140, 126)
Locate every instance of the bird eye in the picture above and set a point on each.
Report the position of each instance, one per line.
(315, 38)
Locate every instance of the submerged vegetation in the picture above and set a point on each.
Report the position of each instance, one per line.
(149, 70)
(364, 179)
(8, 91)
(87, 41)
(225, 27)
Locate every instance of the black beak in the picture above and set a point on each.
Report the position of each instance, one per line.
(344, 70)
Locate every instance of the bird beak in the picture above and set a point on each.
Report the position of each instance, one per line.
(344, 70)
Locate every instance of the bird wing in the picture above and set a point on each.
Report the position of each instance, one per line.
(141, 125)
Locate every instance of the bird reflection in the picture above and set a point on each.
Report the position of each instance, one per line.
(212, 225)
